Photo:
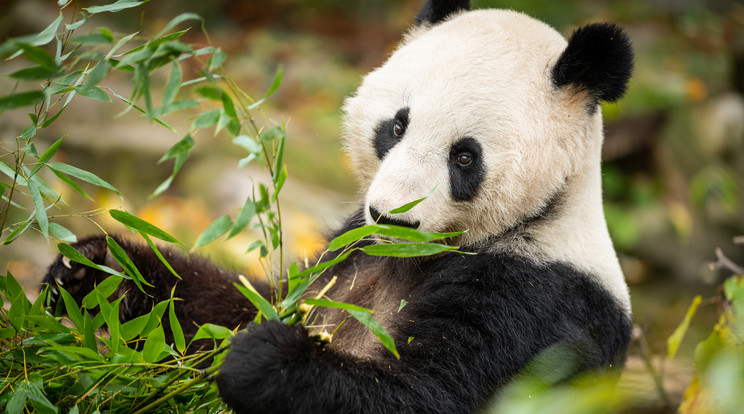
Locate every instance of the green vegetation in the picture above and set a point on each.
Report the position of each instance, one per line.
(670, 198)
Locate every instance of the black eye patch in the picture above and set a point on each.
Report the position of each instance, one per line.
(466, 169)
(390, 131)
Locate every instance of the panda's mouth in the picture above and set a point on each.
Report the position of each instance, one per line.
(380, 218)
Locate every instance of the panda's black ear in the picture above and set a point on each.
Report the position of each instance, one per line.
(598, 59)
(435, 11)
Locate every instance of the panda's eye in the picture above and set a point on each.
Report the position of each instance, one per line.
(398, 129)
(464, 159)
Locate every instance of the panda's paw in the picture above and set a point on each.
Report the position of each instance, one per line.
(77, 279)
(263, 362)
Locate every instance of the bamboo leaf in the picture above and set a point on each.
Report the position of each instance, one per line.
(175, 326)
(86, 176)
(675, 339)
(41, 215)
(244, 217)
(263, 305)
(337, 305)
(123, 259)
(38, 55)
(214, 231)
(61, 233)
(172, 84)
(73, 311)
(177, 20)
(412, 204)
(18, 100)
(74, 255)
(154, 345)
(406, 249)
(216, 60)
(367, 320)
(114, 7)
(141, 225)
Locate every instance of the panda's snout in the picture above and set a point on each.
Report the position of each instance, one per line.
(380, 218)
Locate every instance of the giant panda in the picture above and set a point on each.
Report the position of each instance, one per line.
(502, 114)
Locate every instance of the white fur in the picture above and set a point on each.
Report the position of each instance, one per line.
(486, 74)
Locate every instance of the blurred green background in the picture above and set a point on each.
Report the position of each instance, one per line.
(673, 157)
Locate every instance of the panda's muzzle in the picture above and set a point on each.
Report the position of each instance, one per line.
(380, 218)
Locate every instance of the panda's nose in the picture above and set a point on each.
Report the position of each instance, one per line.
(379, 218)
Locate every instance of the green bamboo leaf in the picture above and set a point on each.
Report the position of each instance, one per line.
(48, 34)
(172, 84)
(92, 39)
(64, 178)
(279, 184)
(377, 330)
(95, 76)
(123, 259)
(86, 176)
(352, 236)
(412, 234)
(34, 73)
(78, 23)
(178, 20)
(244, 217)
(89, 332)
(675, 339)
(406, 249)
(274, 86)
(337, 305)
(41, 215)
(18, 400)
(154, 345)
(38, 55)
(216, 60)
(18, 100)
(412, 204)
(105, 289)
(206, 119)
(180, 147)
(175, 326)
(61, 233)
(159, 255)
(209, 330)
(73, 311)
(132, 328)
(47, 155)
(263, 305)
(214, 231)
(93, 92)
(74, 255)
(142, 226)
(210, 92)
(38, 400)
(114, 7)
(175, 107)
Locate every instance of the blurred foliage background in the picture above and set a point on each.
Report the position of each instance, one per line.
(673, 158)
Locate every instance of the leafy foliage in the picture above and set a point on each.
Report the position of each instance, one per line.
(95, 362)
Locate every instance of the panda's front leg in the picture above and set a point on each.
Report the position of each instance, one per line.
(206, 292)
(275, 368)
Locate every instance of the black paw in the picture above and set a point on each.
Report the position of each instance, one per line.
(75, 278)
(265, 367)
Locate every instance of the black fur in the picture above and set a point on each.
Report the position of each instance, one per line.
(435, 11)
(208, 291)
(466, 180)
(475, 322)
(385, 138)
(599, 60)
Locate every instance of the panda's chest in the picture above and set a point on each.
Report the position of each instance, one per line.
(378, 285)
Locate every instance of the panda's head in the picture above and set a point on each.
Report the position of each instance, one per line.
(495, 109)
